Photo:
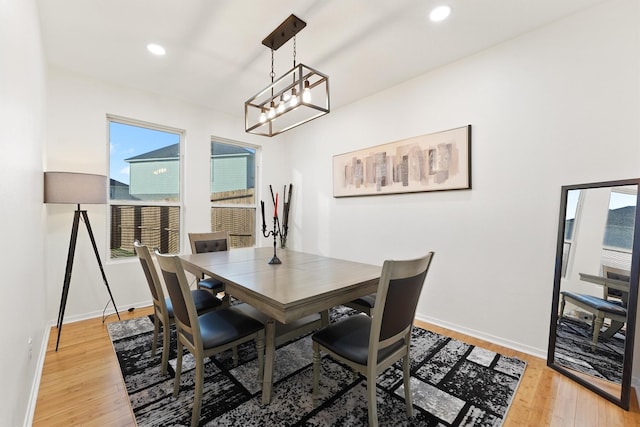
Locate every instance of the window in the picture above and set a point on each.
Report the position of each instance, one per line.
(233, 200)
(144, 186)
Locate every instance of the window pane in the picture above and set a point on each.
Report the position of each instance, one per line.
(573, 197)
(154, 226)
(238, 222)
(233, 170)
(620, 221)
(144, 163)
(618, 234)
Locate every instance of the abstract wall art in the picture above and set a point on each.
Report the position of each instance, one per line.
(434, 162)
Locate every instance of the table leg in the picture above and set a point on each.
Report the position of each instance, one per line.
(269, 361)
(611, 331)
(324, 318)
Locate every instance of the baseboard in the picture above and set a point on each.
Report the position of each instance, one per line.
(110, 311)
(536, 352)
(35, 386)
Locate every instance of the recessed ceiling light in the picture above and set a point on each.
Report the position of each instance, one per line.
(440, 13)
(156, 49)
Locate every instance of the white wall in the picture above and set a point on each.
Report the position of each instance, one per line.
(22, 136)
(556, 106)
(77, 141)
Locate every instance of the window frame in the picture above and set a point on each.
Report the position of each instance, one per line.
(257, 180)
(111, 118)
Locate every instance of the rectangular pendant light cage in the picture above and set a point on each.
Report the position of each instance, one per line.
(296, 80)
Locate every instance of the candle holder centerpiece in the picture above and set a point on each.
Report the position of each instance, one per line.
(277, 231)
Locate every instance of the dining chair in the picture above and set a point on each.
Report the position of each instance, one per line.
(207, 334)
(162, 308)
(370, 344)
(213, 241)
(286, 332)
(363, 304)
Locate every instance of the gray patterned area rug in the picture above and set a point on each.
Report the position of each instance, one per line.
(452, 383)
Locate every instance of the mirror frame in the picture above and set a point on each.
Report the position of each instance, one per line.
(623, 399)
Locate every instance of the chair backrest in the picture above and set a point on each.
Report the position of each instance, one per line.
(397, 300)
(614, 273)
(184, 309)
(213, 241)
(151, 274)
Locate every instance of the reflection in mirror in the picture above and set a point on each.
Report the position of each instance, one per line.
(595, 289)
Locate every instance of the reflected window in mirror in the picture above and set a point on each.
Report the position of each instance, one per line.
(618, 236)
(573, 198)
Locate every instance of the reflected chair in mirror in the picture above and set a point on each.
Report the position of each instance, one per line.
(207, 334)
(163, 314)
(612, 292)
(213, 241)
(371, 344)
(612, 305)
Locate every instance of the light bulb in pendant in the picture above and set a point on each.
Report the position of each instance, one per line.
(263, 117)
(306, 93)
(281, 106)
(272, 111)
(294, 98)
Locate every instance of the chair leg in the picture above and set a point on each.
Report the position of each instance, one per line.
(562, 304)
(371, 397)
(406, 364)
(260, 351)
(234, 356)
(176, 381)
(166, 342)
(316, 372)
(197, 396)
(596, 330)
(156, 328)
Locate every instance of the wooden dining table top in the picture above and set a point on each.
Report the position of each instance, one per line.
(302, 284)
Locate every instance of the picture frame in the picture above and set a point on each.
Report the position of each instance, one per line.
(438, 161)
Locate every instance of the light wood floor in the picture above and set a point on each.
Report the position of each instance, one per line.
(81, 385)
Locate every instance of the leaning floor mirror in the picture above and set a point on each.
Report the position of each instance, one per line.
(595, 289)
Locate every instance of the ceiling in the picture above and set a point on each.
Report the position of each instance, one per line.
(215, 57)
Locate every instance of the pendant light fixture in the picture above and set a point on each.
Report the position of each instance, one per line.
(298, 96)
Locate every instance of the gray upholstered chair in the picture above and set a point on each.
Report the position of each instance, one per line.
(213, 241)
(363, 304)
(286, 332)
(162, 308)
(369, 345)
(207, 334)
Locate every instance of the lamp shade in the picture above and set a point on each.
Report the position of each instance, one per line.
(75, 188)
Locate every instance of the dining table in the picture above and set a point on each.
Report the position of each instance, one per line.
(302, 284)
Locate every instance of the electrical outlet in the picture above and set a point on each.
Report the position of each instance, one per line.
(30, 343)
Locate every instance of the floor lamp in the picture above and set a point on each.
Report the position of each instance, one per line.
(76, 189)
